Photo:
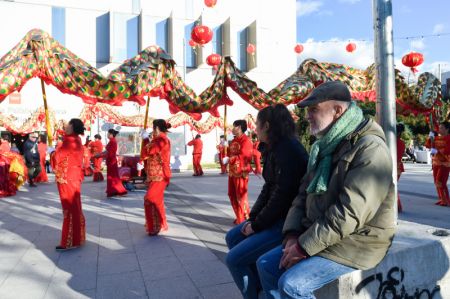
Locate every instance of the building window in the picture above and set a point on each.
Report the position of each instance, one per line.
(125, 36)
(191, 55)
(162, 34)
(102, 39)
(59, 24)
(242, 42)
(217, 40)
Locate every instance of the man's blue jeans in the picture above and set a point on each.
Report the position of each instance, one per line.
(244, 251)
(299, 281)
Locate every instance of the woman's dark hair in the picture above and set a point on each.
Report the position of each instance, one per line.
(240, 123)
(222, 136)
(77, 125)
(113, 132)
(446, 124)
(400, 129)
(97, 136)
(5, 137)
(198, 136)
(43, 138)
(281, 123)
(162, 125)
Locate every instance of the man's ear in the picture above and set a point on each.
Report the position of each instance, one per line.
(339, 111)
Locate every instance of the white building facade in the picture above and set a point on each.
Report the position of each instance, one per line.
(105, 33)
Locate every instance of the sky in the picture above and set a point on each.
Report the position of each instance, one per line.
(325, 27)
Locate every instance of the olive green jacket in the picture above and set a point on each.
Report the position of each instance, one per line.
(352, 223)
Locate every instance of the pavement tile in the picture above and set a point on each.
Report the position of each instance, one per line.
(117, 263)
(81, 279)
(165, 267)
(128, 285)
(176, 287)
(66, 292)
(208, 273)
(221, 291)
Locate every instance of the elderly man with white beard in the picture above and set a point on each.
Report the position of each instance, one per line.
(343, 216)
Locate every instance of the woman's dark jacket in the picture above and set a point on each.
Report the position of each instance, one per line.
(284, 166)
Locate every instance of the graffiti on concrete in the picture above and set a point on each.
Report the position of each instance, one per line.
(393, 288)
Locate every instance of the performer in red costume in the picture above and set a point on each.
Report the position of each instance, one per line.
(440, 149)
(87, 158)
(400, 168)
(222, 148)
(96, 147)
(256, 154)
(113, 183)
(240, 156)
(67, 164)
(42, 149)
(197, 143)
(157, 155)
(5, 145)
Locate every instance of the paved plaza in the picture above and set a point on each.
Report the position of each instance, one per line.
(120, 261)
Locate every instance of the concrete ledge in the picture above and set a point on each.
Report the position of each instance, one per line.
(417, 266)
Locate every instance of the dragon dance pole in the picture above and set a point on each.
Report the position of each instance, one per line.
(47, 118)
(145, 120)
(225, 126)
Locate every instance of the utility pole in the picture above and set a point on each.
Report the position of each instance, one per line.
(385, 79)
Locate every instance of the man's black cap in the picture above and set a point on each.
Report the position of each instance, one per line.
(331, 90)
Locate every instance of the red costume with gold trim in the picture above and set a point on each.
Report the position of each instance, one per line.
(240, 153)
(13, 173)
(42, 176)
(114, 184)
(197, 143)
(96, 147)
(5, 146)
(67, 164)
(156, 153)
(400, 168)
(441, 166)
(87, 160)
(257, 157)
(221, 149)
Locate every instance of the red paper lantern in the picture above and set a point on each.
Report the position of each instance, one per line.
(213, 59)
(251, 49)
(350, 47)
(201, 34)
(192, 43)
(210, 3)
(298, 49)
(412, 60)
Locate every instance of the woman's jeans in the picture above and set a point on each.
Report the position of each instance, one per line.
(299, 281)
(245, 251)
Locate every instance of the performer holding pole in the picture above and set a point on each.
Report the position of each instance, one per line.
(240, 156)
(157, 155)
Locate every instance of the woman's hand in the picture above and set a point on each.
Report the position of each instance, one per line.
(247, 230)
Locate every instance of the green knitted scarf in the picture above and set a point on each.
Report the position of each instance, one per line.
(320, 157)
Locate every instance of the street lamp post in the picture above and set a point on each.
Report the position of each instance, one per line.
(385, 78)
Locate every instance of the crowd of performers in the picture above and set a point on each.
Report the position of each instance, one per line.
(72, 161)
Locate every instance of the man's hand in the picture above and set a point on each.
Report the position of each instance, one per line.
(225, 160)
(291, 256)
(434, 151)
(247, 229)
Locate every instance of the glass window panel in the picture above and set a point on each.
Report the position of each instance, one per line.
(59, 24)
(162, 34)
(242, 42)
(191, 57)
(217, 40)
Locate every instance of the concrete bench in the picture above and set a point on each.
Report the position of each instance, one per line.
(416, 267)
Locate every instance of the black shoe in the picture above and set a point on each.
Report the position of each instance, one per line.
(61, 248)
(32, 184)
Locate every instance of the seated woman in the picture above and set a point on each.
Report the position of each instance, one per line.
(285, 163)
